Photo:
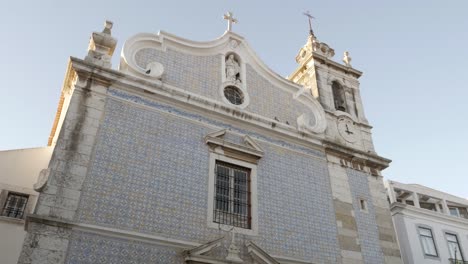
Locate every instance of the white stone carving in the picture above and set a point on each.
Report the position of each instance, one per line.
(232, 69)
(233, 251)
(233, 44)
(154, 69)
(347, 59)
(102, 46)
(41, 180)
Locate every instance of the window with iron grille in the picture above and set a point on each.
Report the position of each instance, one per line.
(15, 205)
(232, 195)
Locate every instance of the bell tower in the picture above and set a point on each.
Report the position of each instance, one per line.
(336, 87)
(353, 165)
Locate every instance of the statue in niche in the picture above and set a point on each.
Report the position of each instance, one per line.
(232, 69)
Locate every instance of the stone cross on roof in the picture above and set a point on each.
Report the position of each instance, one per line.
(307, 14)
(230, 18)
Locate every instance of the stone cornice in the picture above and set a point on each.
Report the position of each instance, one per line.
(336, 65)
(109, 232)
(66, 86)
(324, 60)
(409, 210)
(369, 159)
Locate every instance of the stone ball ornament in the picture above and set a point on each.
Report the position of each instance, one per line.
(154, 69)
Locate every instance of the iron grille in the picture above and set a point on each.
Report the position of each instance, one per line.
(15, 205)
(232, 197)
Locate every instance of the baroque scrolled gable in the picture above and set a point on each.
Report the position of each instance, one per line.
(225, 73)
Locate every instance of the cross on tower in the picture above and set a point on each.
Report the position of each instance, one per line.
(229, 17)
(307, 14)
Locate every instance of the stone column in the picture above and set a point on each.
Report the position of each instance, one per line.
(416, 200)
(445, 207)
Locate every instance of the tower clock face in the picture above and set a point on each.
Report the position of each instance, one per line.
(347, 129)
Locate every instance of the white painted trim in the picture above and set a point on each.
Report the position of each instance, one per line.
(288, 260)
(163, 40)
(253, 195)
(220, 46)
(150, 239)
(244, 149)
(444, 219)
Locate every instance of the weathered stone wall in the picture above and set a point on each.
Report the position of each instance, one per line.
(365, 236)
(149, 174)
(68, 169)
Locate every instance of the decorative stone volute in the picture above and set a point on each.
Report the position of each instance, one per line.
(102, 46)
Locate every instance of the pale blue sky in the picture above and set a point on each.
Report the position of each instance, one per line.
(413, 54)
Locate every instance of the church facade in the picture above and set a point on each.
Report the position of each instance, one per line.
(196, 152)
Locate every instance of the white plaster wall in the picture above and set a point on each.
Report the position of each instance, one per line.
(19, 170)
(11, 240)
(20, 167)
(406, 227)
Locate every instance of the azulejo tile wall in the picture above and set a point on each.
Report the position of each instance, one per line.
(149, 174)
(202, 75)
(365, 221)
(86, 248)
(271, 102)
(197, 74)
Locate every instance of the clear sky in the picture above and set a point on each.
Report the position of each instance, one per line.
(413, 54)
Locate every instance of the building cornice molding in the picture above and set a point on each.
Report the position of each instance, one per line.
(352, 155)
(110, 232)
(411, 211)
(157, 90)
(424, 190)
(333, 64)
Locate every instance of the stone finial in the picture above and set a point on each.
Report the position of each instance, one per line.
(347, 59)
(233, 251)
(107, 27)
(102, 46)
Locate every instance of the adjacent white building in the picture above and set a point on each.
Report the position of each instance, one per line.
(431, 226)
(19, 170)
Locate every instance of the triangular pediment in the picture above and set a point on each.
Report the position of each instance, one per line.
(249, 148)
(203, 254)
(259, 255)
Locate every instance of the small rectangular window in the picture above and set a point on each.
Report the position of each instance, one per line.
(427, 241)
(232, 195)
(363, 205)
(15, 205)
(454, 211)
(454, 246)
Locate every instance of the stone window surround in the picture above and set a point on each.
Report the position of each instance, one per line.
(418, 226)
(363, 205)
(211, 192)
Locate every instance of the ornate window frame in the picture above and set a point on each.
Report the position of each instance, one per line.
(240, 155)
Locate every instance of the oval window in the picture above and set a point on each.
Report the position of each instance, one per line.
(234, 95)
